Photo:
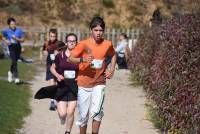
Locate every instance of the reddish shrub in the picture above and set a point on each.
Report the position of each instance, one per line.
(167, 61)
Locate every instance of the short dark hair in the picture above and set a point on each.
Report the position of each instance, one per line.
(97, 21)
(10, 20)
(71, 34)
(53, 30)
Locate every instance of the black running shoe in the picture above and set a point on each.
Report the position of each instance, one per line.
(52, 106)
(67, 132)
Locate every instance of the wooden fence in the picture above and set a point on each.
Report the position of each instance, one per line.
(37, 35)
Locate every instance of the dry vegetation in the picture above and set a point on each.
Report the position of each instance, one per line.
(117, 13)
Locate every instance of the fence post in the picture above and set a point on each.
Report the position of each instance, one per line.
(59, 33)
(138, 33)
(78, 35)
(113, 35)
(42, 38)
(128, 33)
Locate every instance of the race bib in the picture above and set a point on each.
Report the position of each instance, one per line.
(97, 64)
(52, 56)
(69, 74)
(13, 41)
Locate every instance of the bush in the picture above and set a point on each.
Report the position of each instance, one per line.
(108, 3)
(167, 60)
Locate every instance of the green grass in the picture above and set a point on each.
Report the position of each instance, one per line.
(26, 71)
(31, 51)
(152, 115)
(14, 106)
(14, 98)
(134, 78)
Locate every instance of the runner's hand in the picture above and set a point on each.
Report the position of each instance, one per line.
(89, 58)
(14, 37)
(45, 53)
(109, 74)
(7, 42)
(60, 78)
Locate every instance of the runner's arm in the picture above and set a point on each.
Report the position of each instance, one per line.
(113, 62)
(19, 39)
(4, 38)
(110, 72)
(54, 72)
(81, 59)
(44, 49)
(6, 41)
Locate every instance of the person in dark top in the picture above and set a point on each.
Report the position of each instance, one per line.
(65, 74)
(49, 48)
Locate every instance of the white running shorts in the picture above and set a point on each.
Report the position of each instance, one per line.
(90, 103)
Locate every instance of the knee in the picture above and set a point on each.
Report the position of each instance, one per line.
(62, 115)
(99, 116)
(82, 122)
(70, 112)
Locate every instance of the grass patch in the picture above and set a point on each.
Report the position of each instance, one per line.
(14, 106)
(26, 71)
(134, 78)
(152, 116)
(31, 52)
(14, 98)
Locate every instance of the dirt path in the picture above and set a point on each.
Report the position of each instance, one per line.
(124, 110)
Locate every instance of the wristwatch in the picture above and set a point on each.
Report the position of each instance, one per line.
(81, 59)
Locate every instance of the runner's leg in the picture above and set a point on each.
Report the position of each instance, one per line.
(62, 110)
(98, 95)
(52, 102)
(71, 105)
(83, 101)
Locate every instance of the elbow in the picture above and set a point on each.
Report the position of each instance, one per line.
(51, 69)
(115, 57)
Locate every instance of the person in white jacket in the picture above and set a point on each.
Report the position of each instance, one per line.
(121, 51)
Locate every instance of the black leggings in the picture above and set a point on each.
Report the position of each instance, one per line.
(121, 62)
(15, 51)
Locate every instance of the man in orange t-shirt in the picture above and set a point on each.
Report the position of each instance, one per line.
(92, 55)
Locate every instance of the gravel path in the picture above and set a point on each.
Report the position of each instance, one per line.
(124, 110)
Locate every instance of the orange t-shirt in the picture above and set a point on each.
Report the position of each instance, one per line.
(89, 77)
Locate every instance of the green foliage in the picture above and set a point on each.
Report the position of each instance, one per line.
(108, 3)
(98, 13)
(69, 2)
(115, 25)
(14, 9)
